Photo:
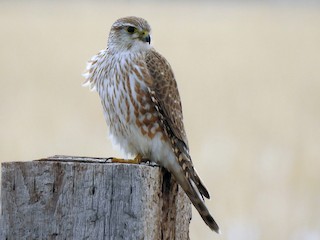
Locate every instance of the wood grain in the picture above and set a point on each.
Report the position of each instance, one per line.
(88, 198)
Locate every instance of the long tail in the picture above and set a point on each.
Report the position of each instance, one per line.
(199, 204)
(190, 182)
(181, 167)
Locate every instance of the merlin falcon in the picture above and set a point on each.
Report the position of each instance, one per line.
(142, 106)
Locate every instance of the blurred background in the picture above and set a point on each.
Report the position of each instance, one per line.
(249, 79)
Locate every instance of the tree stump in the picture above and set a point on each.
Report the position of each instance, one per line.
(87, 198)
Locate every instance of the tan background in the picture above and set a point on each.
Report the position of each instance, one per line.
(249, 78)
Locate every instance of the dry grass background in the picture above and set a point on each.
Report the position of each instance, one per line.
(249, 78)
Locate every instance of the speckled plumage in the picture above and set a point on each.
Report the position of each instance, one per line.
(142, 105)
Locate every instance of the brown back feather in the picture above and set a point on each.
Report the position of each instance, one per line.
(164, 94)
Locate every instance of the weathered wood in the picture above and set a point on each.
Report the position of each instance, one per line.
(87, 198)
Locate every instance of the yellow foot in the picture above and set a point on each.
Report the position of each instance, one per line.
(136, 160)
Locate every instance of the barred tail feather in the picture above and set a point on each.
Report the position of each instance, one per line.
(182, 168)
(199, 185)
(199, 204)
(195, 190)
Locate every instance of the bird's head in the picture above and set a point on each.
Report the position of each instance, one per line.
(129, 33)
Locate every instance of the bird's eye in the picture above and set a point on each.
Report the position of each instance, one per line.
(130, 29)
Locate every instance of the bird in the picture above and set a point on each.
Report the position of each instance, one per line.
(142, 106)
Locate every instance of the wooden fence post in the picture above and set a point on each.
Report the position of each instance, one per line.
(86, 198)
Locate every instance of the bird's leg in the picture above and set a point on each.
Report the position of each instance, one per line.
(136, 160)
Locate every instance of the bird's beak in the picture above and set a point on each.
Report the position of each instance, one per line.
(148, 39)
(145, 37)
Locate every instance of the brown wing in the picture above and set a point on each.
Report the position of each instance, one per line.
(166, 92)
(165, 95)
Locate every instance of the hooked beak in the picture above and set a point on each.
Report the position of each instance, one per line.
(148, 39)
(145, 37)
